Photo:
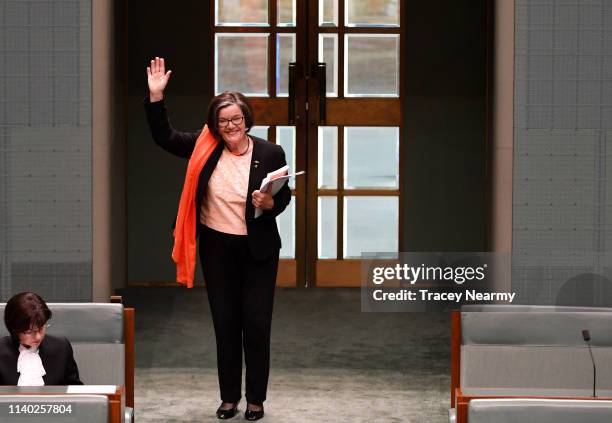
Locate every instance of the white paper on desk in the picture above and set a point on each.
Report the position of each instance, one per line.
(91, 389)
(277, 180)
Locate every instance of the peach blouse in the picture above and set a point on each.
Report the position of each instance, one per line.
(223, 209)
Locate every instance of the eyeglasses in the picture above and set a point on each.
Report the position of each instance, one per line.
(236, 120)
(35, 331)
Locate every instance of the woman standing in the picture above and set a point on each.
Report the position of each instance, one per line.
(238, 252)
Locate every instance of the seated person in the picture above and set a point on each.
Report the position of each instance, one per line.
(29, 357)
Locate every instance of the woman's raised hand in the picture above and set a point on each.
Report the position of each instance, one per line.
(158, 78)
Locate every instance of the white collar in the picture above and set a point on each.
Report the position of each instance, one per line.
(30, 367)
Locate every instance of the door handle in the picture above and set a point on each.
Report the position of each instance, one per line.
(295, 73)
(319, 71)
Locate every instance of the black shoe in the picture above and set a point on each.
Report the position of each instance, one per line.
(252, 415)
(224, 414)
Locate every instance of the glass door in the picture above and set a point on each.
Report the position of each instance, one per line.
(324, 80)
(354, 201)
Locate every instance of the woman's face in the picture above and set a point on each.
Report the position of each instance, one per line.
(33, 337)
(231, 126)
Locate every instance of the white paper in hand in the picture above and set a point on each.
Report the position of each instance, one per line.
(275, 180)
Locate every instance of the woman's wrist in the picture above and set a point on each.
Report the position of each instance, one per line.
(153, 97)
(269, 204)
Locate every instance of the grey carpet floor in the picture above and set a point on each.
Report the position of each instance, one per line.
(330, 361)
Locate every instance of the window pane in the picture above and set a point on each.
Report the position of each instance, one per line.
(328, 53)
(260, 131)
(371, 157)
(361, 77)
(286, 228)
(370, 225)
(285, 137)
(328, 157)
(242, 12)
(327, 230)
(286, 12)
(328, 12)
(241, 63)
(372, 13)
(285, 53)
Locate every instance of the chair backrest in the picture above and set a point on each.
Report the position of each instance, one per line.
(54, 408)
(539, 411)
(534, 347)
(101, 340)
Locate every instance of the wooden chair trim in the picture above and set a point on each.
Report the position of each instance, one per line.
(455, 353)
(128, 321)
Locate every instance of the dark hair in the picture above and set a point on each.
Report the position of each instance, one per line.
(24, 311)
(225, 99)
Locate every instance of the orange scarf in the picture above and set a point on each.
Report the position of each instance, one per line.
(184, 251)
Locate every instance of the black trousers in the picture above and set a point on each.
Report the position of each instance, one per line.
(241, 295)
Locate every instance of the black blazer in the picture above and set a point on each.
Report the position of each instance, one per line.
(263, 237)
(56, 356)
